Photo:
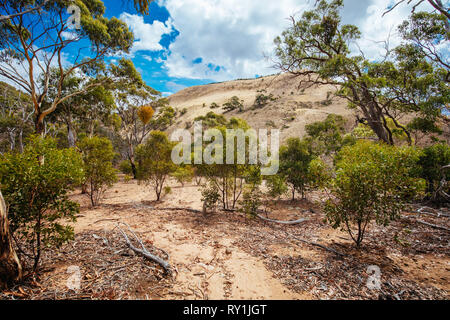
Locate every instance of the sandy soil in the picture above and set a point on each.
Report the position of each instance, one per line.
(208, 264)
(296, 105)
(227, 256)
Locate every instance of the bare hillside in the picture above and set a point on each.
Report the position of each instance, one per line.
(295, 105)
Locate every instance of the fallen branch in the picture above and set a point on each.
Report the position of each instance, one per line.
(283, 222)
(435, 226)
(437, 215)
(176, 209)
(144, 252)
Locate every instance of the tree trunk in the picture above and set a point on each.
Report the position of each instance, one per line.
(10, 267)
(71, 136)
(21, 140)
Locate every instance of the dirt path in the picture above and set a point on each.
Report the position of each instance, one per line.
(209, 265)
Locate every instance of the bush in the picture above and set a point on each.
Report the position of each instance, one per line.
(125, 167)
(276, 186)
(155, 162)
(327, 136)
(35, 184)
(431, 161)
(295, 158)
(183, 174)
(233, 104)
(372, 183)
(210, 197)
(98, 154)
(262, 99)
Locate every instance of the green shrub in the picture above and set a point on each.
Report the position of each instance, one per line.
(262, 99)
(233, 104)
(36, 184)
(372, 182)
(276, 186)
(125, 167)
(183, 174)
(155, 162)
(431, 161)
(210, 197)
(295, 158)
(100, 174)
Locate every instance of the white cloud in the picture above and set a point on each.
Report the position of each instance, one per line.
(231, 34)
(232, 37)
(147, 36)
(377, 29)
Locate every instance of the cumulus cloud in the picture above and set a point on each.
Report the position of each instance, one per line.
(229, 39)
(148, 36)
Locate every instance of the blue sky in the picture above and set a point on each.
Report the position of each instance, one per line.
(146, 61)
(183, 43)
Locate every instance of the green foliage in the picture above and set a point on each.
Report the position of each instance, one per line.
(183, 174)
(100, 174)
(211, 120)
(327, 136)
(276, 185)
(36, 184)
(318, 174)
(372, 182)
(431, 161)
(262, 99)
(423, 126)
(125, 167)
(227, 178)
(234, 103)
(214, 106)
(155, 162)
(295, 159)
(210, 197)
(252, 194)
(407, 81)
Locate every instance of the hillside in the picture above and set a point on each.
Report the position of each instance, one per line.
(295, 105)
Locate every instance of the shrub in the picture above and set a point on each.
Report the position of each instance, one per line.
(35, 184)
(252, 195)
(276, 186)
(210, 197)
(372, 183)
(327, 136)
(125, 167)
(214, 106)
(233, 104)
(183, 174)
(262, 99)
(295, 158)
(98, 154)
(431, 161)
(155, 162)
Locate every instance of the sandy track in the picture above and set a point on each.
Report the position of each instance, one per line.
(209, 265)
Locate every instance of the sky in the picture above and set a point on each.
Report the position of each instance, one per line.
(183, 43)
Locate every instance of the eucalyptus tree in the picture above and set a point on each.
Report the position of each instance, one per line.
(93, 103)
(131, 94)
(15, 116)
(317, 48)
(34, 43)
